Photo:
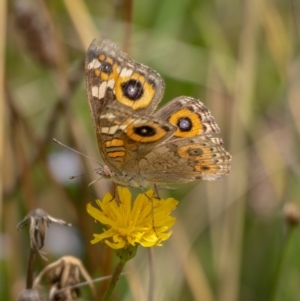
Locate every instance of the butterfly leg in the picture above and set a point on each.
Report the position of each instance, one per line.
(115, 194)
(155, 188)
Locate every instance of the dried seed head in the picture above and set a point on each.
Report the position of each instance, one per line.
(39, 220)
(64, 275)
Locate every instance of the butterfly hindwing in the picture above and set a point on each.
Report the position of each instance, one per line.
(190, 117)
(191, 159)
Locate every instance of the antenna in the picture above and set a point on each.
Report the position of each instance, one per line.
(103, 171)
(83, 174)
(75, 151)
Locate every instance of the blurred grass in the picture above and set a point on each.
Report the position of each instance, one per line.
(241, 58)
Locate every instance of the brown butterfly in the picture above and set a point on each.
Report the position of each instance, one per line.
(138, 144)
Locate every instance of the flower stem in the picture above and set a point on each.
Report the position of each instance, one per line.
(124, 255)
(30, 269)
(114, 280)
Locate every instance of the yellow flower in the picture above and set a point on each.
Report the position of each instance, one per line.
(146, 222)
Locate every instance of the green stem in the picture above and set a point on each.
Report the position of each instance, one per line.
(124, 255)
(114, 280)
(280, 262)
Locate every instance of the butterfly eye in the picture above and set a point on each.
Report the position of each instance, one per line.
(145, 131)
(185, 124)
(106, 67)
(132, 89)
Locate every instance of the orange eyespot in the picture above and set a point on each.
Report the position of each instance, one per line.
(145, 132)
(206, 167)
(107, 70)
(194, 152)
(188, 123)
(133, 91)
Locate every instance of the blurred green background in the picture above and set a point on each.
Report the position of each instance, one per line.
(236, 239)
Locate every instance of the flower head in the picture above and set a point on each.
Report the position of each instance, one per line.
(39, 221)
(146, 221)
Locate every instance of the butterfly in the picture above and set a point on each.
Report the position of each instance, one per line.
(141, 145)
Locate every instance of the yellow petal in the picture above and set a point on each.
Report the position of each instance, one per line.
(119, 245)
